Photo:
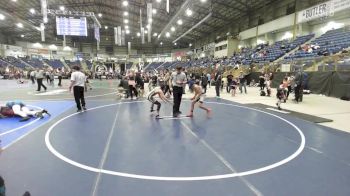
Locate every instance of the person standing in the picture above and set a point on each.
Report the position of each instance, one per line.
(39, 75)
(178, 82)
(242, 83)
(59, 74)
(132, 84)
(78, 79)
(204, 83)
(32, 76)
(209, 79)
(218, 80)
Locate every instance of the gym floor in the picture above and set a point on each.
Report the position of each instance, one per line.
(117, 147)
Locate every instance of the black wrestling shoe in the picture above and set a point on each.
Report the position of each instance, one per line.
(152, 110)
(46, 112)
(24, 119)
(84, 108)
(78, 111)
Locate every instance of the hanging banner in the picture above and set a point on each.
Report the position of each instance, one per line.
(323, 10)
(97, 32)
(44, 10)
(142, 35)
(129, 48)
(167, 6)
(150, 20)
(119, 35)
(42, 31)
(116, 36)
(123, 38)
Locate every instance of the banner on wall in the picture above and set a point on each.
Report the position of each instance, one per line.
(323, 10)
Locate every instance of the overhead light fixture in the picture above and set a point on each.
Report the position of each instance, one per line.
(146, 31)
(189, 12)
(203, 1)
(138, 34)
(53, 47)
(154, 11)
(37, 45)
(106, 27)
(67, 48)
(100, 15)
(22, 35)
(167, 34)
(2, 17)
(161, 43)
(126, 13)
(46, 20)
(150, 20)
(158, 1)
(14, 0)
(148, 26)
(126, 27)
(62, 8)
(155, 34)
(190, 44)
(179, 22)
(172, 29)
(126, 21)
(32, 10)
(175, 43)
(127, 31)
(19, 25)
(125, 3)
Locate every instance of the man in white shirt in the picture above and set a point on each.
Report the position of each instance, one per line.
(78, 79)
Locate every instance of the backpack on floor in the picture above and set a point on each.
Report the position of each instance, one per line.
(262, 93)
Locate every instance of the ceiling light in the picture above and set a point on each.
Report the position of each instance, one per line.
(175, 43)
(150, 20)
(146, 32)
(32, 10)
(203, 1)
(106, 27)
(99, 15)
(127, 31)
(172, 29)
(167, 34)
(161, 43)
(126, 27)
(2, 17)
(138, 34)
(53, 47)
(179, 22)
(37, 45)
(158, 1)
(148, 26)
(154, 11)
(14, 0)
(125, 3)
(46, 20)
(155, 34)
(67, 48)
(62, 8)
(189, 12)
(20, 25)
(22, 36)
(126, 13)
(126, 21)
(190, 45)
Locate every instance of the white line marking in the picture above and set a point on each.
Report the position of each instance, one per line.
(21, 127)
(105, 153)
(280, 111)
(223, 160)
(161, 178)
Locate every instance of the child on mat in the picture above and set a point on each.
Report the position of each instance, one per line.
(280, 96)
(198, 97)
(151, 97)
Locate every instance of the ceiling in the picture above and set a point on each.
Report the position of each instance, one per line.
(224, 12)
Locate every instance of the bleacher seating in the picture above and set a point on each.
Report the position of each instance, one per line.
(54, 63)
(71, 64)
(152, 66)
(331, 42)
(14, 61)
(36, 63)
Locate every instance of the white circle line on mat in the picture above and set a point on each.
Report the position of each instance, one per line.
(165, 178)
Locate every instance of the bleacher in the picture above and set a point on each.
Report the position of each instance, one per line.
(128, 65)
(36, 63)
(330, 43)
(54, 63)
(71, 64)
(152, 66)
(14, 61)
(89, 64)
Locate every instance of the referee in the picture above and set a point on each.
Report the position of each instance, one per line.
(178, 82)
(78, 79)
